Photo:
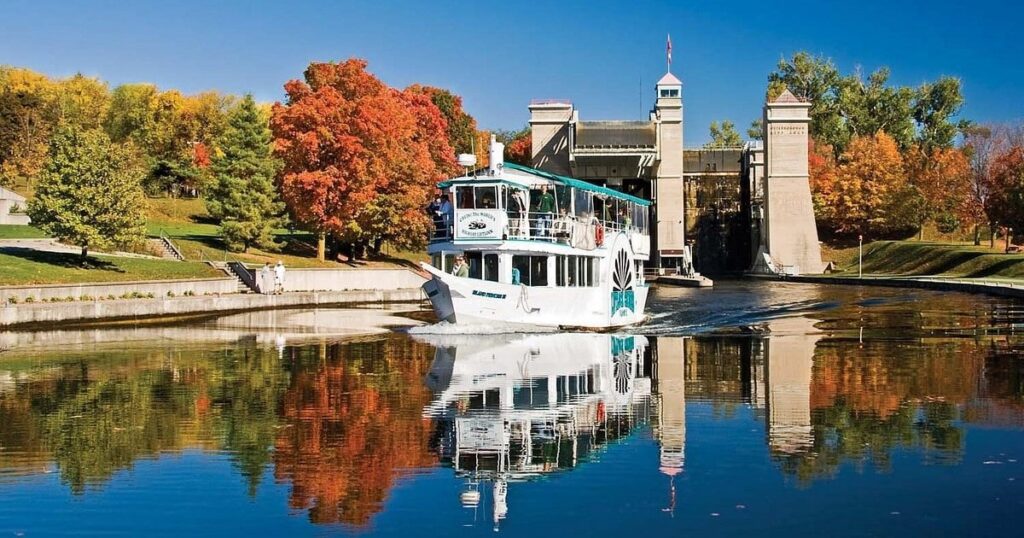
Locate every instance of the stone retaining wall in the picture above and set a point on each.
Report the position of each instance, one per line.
(159, 289)
(49, 313)
(349, 279)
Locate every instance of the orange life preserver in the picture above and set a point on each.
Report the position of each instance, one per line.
(600, 411)
(599, 235)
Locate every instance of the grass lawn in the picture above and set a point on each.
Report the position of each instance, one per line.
(11, 231)
(24, 266)
(187, 224)
(922, 258)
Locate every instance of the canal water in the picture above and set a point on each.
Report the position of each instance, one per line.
(768, 408)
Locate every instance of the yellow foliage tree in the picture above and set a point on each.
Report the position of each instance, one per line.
(870, 192)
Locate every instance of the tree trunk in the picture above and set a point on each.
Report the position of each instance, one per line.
(920, 233)
(321, 245)
(977, 235)
(377, 244)
(991, 236)
(85, 252)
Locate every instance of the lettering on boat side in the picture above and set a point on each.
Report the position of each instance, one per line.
(488, 294)
(478, 225)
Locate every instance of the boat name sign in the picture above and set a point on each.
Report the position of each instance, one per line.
(478, 225)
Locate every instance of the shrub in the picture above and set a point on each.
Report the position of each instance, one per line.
(86, 298)
(170, 293)
(12, 300)
(69, 299)
(110, 297)
(30, 299)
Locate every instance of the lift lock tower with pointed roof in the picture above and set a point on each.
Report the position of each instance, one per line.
(725, 203)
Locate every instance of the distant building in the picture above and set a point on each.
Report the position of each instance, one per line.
(12, 207)
(712, 199)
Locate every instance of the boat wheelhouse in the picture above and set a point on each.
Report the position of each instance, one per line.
(513, 245)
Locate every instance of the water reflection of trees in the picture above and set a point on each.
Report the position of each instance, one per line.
(336, 421)
(871, 400)
(862, 402)
(354, 420)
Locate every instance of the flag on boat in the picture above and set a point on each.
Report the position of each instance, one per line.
(668, 49)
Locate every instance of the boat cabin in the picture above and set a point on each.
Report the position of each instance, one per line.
(530, 227)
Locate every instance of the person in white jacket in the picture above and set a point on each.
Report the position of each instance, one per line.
(279, 277)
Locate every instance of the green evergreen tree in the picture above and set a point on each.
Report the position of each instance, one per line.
(243, 195)
(89, 192)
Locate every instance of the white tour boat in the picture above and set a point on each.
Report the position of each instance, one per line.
(540, 249)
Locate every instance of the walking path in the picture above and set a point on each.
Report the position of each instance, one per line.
(1002, 288)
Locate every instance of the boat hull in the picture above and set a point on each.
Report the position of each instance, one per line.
(475, 302)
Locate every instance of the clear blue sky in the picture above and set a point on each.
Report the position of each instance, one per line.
(500, 55)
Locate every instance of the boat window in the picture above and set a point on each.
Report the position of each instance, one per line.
(563, 198)
(464, 197)
(584, 204)
(435, 261)
(475, 260)
(491, 267)
(486, 197)
(573, 278)
(532, 270)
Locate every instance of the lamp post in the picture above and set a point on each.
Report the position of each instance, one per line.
(860, 256)
(1009, 234)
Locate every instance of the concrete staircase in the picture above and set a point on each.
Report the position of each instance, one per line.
(246, 279)
(166, 249)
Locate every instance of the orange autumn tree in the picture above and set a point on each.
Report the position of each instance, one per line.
(870, 192)
(941, 181)
(821, 164)
(360, 158)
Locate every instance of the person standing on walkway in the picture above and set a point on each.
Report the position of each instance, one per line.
(279, 277)
(266, 283)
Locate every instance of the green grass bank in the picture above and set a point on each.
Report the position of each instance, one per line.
(922, 258)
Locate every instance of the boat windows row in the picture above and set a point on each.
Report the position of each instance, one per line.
(556, 201)
(528, 270)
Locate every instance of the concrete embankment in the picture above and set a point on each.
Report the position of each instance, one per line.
(966, 285)
(23, 315)
(115, 290)
(32, 305)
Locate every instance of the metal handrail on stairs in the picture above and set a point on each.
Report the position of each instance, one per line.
(170, 244)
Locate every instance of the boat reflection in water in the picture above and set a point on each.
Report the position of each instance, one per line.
(510, 408)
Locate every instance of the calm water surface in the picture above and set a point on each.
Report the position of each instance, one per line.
(752, 408)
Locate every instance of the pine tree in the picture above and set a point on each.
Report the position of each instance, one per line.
(243, 195)
(90, 191)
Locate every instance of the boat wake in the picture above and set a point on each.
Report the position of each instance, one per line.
(445, 328)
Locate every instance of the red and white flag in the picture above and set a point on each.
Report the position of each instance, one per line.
(668, 50)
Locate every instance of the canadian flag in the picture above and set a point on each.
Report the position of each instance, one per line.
(668, 49)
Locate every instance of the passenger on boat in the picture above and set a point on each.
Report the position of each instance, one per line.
(447, 213)
(518, 224)
(545, 209)
(461, 268)
(562, 229)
